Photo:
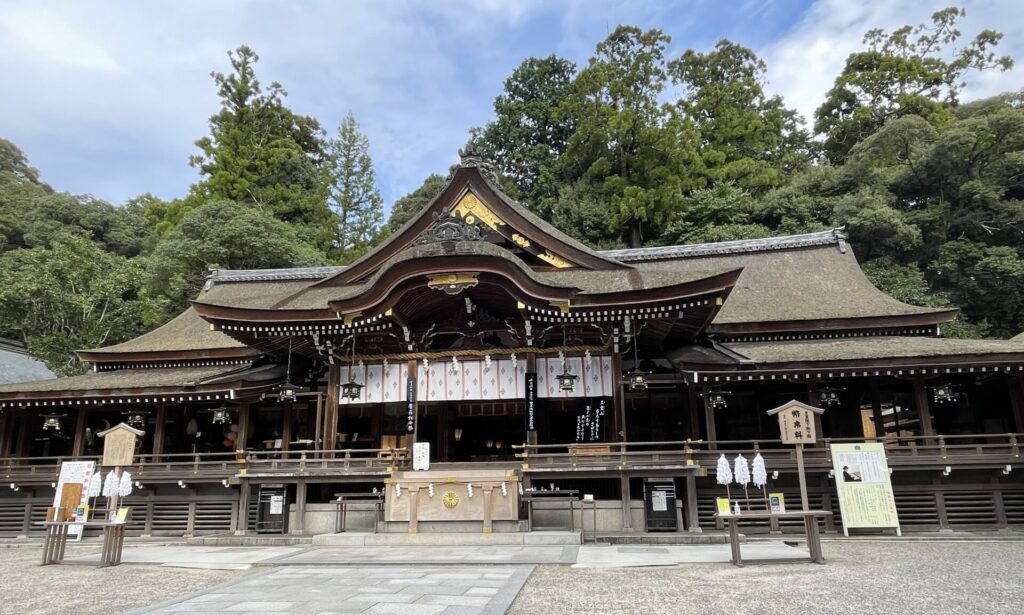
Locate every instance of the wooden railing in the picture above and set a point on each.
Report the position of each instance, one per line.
(208, 467)
(983, 451)
(962, 451)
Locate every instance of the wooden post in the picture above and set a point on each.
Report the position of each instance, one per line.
(1016, 383)
(692, 398)
(414, 510)
(244, 497)
(802, 476)
(25, 434)
(692, 519)
(6, 427)
(300, 507)
(318, 426)
(286, 427)
(158, 431)
(814, 398)
(488, 513)
(924, 413)
(709, 418)
(78, 448)
(619, 399)
(242, 440)
(331, 411)
(627, 515)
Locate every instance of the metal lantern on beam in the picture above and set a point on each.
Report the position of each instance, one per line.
(136, 418)
(287, 392)
(829, 397)
(637, 378)
(944, 393)
(221, 416)
(567, 381)
(351, 390)
(51, 422)
(716, 400)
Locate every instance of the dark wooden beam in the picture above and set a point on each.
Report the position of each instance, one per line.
(924, 413)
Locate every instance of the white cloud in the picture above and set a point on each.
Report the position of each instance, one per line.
(803, 64)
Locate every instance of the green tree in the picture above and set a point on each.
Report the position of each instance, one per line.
(220, 234)
(903, 72)
(722, 213)
(352, 192)
(409, 205)
(528, 134)
(261, 153)
(70, 294)
(635, 149)
(747, 138)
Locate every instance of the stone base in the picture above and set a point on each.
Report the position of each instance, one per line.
(436, 539)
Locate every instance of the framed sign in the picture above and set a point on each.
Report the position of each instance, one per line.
(796, 422)
(531, 401)
(410, 405)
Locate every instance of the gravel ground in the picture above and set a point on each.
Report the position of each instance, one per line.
(26, 588)
(904, 578)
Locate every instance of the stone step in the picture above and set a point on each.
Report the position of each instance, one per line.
(447, 539)
(251, 540)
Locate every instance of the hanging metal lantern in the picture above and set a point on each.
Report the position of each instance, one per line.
(829, 397)
(51, 422)
(944, 393)
(716, 399)
(351, 390)
(567, 381)
(286, 394)
(136, 418)
(221, 416)
(638, 381)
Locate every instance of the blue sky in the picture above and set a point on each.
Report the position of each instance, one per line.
(107, 98)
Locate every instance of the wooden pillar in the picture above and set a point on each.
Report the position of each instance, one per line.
(442, 433)
(242, 516)
(709, 418)
(25, 433)
(300, 507)
(876, 409)
(619, 399)
(159, 431)
(78, 444)
(1016, 383)
(693, 400)
(331, 409)
(692, 519)
(814, 399)
(6, 427)
(924, 413)
(286, 426)
(627, 515)
(242, 441)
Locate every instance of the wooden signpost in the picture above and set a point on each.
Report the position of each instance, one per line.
(119, 451)
(796, 425)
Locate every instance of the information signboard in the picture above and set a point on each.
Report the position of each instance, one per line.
(75, 475)
(865, 491)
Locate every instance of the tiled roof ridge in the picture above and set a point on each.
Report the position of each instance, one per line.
(740, 246)
(270, 275)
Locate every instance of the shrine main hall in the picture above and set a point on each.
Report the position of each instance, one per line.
(480, 369)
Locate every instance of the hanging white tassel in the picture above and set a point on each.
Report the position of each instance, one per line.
(742, 471)
(426, 366)
(469, 489)
(95, 485)
(515, 361)
(398, 490)
(430, 489)
(587, 358)
(561, 358)
(504, 490)
(125, 488)
(487, 362)
(520, 488)
(455, 366)
(759, 473)
(723, 473)
(110, 485)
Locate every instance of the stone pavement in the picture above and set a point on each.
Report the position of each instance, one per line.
(623, 556)
(497, 554)
(373, 590)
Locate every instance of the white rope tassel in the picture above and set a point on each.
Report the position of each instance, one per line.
(110, 485)
(469, 489)
(125, 488)
(398, 490)
(504, 490)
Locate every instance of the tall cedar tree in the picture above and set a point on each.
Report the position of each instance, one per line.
(747, 138)
(261, 153)
(627, 145)
(352, 192)
(528, 134)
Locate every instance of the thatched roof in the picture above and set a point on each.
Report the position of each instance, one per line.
(128, 380)
(187, 332)
(796, 278)
(882, 347)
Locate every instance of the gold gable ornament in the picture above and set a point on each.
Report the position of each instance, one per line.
(472, 210)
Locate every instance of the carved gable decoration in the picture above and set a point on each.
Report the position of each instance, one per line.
(451, 228)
